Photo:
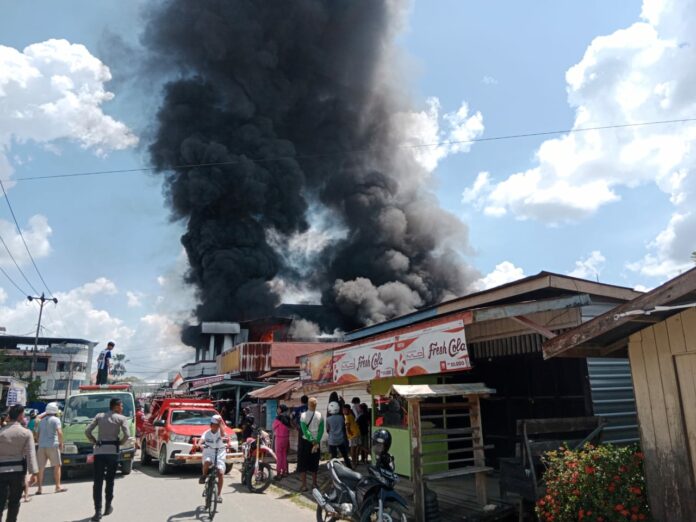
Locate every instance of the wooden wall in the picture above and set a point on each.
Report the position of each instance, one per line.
(663, 364)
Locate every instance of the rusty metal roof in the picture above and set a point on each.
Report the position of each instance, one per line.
(276, 390)
(284, 355)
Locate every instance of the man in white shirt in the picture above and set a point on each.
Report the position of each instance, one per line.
(214, 451)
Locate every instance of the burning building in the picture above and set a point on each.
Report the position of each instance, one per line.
(277, 113)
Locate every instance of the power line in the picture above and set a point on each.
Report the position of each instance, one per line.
(356, 151)
(19, 229)
(9, 253)
(12, 281)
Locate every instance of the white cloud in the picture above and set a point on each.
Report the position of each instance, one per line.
(151, 341)
(643, 73)
(590, 267)
(434, 136)
(3, 295)
(54, 90)
(36, 234)
(489, 80)
(504, 272)
(134, 299)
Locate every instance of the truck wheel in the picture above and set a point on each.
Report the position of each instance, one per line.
(126, 467)
(162, 465)
(145, 457)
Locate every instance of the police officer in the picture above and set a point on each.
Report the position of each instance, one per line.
(106, 448)
(17, 456)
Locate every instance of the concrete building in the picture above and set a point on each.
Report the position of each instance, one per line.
(62, 364)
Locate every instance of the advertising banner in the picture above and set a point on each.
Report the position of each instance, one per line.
(228, 362)
(364, 362)
(437, 349)
(317, 367)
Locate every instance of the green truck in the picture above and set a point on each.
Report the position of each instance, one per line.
(80, 409)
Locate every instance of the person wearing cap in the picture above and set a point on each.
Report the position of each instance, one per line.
(50, 446)
(104, 363)
(17, 457)
(214, 451)
(110, 425)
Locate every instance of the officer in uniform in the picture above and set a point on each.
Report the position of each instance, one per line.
(110, 426)
(17, 457)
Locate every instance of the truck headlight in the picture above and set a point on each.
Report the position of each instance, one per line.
(129, 444)
(69, 448)
(178, 438)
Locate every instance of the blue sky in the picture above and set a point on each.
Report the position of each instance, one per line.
(506, 60)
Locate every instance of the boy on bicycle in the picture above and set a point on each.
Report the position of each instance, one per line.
(214, 451)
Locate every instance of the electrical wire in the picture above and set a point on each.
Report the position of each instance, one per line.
(21, 235)
(355, 151)
(12, 281)
(24, 276)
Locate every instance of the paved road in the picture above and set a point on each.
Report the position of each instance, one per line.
(145, 495)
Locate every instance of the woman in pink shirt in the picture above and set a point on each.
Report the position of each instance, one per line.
(281, 431)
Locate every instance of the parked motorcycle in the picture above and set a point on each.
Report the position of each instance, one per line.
(363, 498)
(257, 474)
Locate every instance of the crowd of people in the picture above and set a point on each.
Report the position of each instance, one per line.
(347, 426)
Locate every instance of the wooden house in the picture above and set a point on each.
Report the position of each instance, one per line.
(658, 330)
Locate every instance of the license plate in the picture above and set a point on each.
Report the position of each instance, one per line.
(66, 461)
(90, 459)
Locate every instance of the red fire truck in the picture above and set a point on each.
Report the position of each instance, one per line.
(172, 428)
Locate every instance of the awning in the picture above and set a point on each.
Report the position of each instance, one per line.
(427, 391)
(277, 390)
(229, 384)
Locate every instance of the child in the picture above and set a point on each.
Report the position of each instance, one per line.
(353, 432)
(214, 452)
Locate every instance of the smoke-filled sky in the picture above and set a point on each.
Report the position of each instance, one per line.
(617, 205)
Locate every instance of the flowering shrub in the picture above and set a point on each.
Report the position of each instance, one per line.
(596, 483)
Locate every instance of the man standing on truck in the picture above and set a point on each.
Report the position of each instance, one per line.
(106, 447)
(104, 364)
(17, 457)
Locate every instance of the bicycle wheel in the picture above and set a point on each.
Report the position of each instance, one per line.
(213, 501)
(208, 493)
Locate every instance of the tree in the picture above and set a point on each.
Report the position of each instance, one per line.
(17, 367)
(119, 367)
(693, 256)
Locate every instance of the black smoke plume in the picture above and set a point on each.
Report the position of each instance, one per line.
(292, 103)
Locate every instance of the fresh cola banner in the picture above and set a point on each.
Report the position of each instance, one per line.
(364, 362)
(429, 351)
(437, 349)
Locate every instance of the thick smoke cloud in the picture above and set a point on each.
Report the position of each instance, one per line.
(302, 98)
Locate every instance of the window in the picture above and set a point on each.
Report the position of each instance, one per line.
(192, 417)
(83, 408)
(64, 366)
(390, 411)
(62, 384)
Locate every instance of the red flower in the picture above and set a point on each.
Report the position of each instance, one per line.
(589, 470)
(634, 517)
(581, 514)
(635, 509)
(600, 519)
(641, 516)
(625, 512)
(616, 478)
(611, 488)
(619, 507)
(623, 469)
(639, 455)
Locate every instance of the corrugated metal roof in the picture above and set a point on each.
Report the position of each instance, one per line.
(426, 391)
(277, 390)
(284, 355)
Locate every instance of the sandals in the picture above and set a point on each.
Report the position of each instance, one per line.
(61, 490)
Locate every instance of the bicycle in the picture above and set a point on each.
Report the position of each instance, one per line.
(210, 489)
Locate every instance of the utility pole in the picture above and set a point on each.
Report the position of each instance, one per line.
(42, 301)
(70, 374)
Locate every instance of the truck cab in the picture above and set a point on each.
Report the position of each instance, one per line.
(172, 428)
(80, 410)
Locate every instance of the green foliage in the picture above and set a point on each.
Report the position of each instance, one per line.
(34, 389)
(596, 483)
(119, 367)
(693, 256)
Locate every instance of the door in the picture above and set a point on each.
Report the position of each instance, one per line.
(686, 372)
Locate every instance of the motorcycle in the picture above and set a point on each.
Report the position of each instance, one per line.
(257, 474)
(362, 498)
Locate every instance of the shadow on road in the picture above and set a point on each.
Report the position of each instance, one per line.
(198, 513)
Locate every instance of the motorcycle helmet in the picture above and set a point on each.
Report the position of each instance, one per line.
(381, 441)
(334, 408)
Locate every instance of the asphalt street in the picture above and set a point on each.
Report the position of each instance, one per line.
(145, 495)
